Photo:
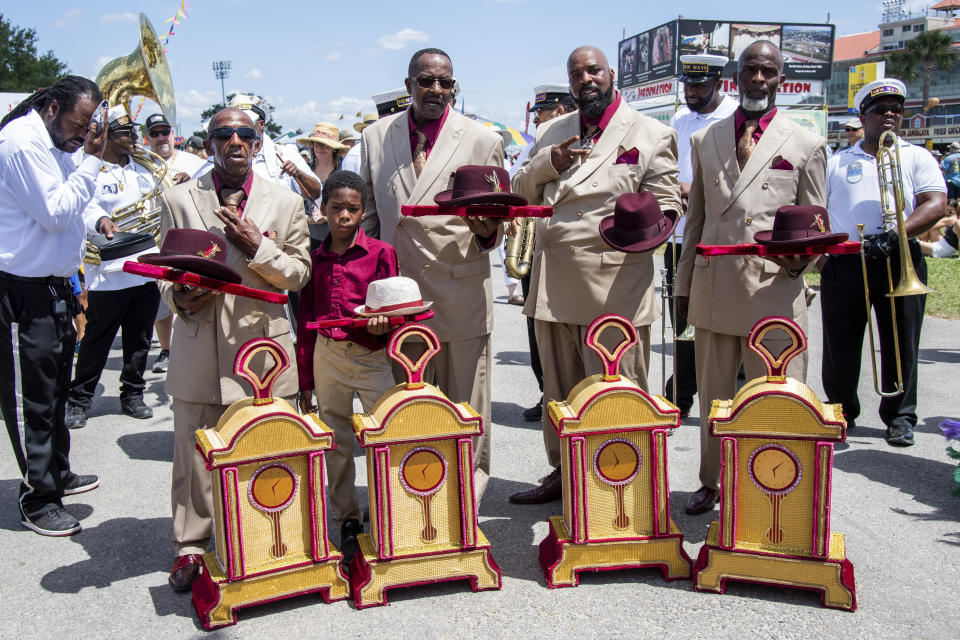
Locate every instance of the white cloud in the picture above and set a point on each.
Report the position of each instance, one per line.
(333, 56)
(67, 18)
(400, 39)
(119, 17)
(254, 73)
(303, 115)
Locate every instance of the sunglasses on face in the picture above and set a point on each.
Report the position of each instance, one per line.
(225, 133)
(427, 83)
(159, 133)
(884, 107)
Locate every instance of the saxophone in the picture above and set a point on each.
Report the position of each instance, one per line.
(519, 252)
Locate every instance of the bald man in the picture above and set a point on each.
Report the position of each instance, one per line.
(580, 163)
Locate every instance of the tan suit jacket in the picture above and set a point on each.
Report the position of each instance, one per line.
(729, 294)
(439, 252)
(576, 276)
(205, 344)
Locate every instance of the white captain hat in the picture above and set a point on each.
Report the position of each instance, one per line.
(701, 67)
(391, 101)
(877, 89)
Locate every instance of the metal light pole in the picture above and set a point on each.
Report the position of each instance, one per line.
(221, 70)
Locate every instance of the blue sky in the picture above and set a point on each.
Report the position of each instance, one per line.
(316, 60)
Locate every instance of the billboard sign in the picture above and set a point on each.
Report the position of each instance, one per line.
(861, 75)
(648, 56)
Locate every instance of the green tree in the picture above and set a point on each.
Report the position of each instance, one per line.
(21, 69)
(272, 129)
(929, 51)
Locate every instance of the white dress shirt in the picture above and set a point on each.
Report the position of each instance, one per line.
(43, 193)
(184, 162)
(686, 123)
(117, 186)
(853, 188)
(351, 161)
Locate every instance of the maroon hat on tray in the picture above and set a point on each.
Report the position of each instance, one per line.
(196, 251)
(799, 225)
(637, 223)
(473, 184)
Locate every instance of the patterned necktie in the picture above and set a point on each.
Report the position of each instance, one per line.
(232, 199)
(586, 140)
(746, 144)
(420, 153)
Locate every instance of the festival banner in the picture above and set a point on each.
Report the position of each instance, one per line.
(860, 75)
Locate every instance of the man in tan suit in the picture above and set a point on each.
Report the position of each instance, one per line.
(745, 167)
(581, 162)
(408, 158)
(266, 228)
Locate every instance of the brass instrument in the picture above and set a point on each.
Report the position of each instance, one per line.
(142, 73)
(892, 206)
(518, 255)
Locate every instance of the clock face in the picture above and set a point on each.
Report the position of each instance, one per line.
(617, 462)
(422, 471)
(774, 469)
(272, 487)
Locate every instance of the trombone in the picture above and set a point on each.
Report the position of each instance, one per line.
(892, 206)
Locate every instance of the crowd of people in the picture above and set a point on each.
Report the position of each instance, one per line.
(327, 223)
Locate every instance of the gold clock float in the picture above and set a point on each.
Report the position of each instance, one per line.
(267, 465)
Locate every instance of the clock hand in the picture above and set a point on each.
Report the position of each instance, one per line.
(274, 487)
(774, 470)
(616, 459)
(424, 472)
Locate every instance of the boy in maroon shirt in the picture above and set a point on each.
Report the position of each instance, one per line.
(340, 361)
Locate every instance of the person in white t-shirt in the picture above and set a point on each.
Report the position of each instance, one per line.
(853, 198)
(705, 105)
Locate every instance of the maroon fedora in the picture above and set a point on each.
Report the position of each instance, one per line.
(637, 224)
(196, 251)
(799, 225)
(474, 184)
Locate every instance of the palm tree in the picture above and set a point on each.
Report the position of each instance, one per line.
(929, 51)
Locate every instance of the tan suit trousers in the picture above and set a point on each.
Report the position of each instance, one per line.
(566, 360)
(340, 368)
(462, 371)
(718, 357)
(191, 493)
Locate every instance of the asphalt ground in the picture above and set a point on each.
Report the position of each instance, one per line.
(902, 529)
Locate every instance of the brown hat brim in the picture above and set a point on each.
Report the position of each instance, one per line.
(766, 238)
(621, 241)
(485, 197)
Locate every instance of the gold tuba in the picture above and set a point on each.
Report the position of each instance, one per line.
(518, 255)
(142, 73)
(892, 206)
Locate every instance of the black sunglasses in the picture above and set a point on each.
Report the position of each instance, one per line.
(225, 133)
(883, 107)
(427, 83)
(159, 133)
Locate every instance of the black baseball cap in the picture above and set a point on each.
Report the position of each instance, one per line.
(155, 120)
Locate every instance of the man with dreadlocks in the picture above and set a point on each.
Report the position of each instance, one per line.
(43, 193)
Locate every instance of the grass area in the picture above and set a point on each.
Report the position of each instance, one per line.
(943, 275)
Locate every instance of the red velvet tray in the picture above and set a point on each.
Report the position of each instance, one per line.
(185, 277)
(479, 210)
(395, 321)
(709, 250)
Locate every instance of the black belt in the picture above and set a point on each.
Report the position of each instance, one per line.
(55, 281)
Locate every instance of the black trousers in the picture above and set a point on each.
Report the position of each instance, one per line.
(36, 349)
(532, 337)
(684, 351)
(844, 322)
(133, 310)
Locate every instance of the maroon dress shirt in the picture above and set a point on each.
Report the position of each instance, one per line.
(602, 120)
(430, 129)
(218, 185)
(740, 123)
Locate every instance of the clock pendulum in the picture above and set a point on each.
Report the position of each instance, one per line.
(422, 472)
(617, 462)
(776, 472)
(272, 489)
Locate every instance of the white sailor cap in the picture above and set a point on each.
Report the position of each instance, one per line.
(251, 105)
(118, 117)
(546, 96)
(391, 101)
(852, 123)
(878, 89)
(700, 68)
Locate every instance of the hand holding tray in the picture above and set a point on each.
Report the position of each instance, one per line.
(185, 277)
(395, 321)
(710, 250)
(479, 210)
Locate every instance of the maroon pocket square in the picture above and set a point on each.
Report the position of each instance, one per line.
(628, 157)
(781, 164)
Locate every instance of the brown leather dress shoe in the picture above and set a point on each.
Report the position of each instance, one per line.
(547, 491)
(702, 501)
(185, 570)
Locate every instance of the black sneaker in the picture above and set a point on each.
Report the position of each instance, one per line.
(76, 417)
(349, 531)
(80, 484)
(900, 435)
(163, 359)
(135, 407)
(56, 522)
(534, 413)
